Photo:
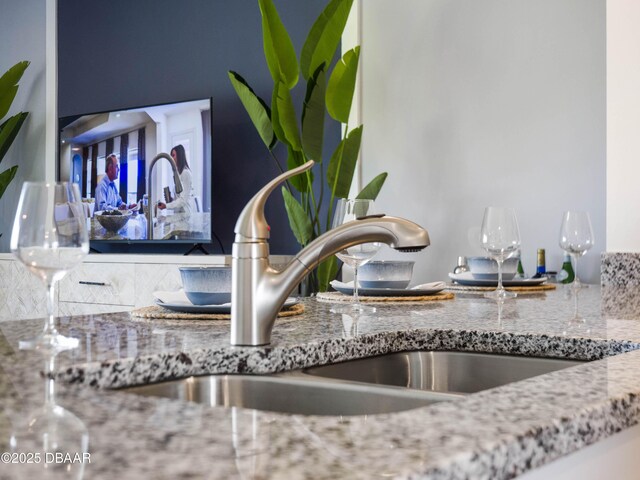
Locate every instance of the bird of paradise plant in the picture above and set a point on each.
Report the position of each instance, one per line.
(10, 127)
(326, 92)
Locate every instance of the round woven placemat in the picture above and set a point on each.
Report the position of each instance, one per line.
(156, 311)
(341, 297)
(529, 289)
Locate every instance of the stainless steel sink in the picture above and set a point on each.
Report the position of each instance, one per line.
(456, 372)
(383, 384)
(290, 394)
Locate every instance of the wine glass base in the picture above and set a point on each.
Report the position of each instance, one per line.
(50, 343)
(500, 295)
(352, 308)
(50, 430)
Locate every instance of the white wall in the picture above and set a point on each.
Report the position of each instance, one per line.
(623, 121)
(22, 34)
(488, 102)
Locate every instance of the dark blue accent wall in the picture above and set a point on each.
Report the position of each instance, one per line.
(122, 53)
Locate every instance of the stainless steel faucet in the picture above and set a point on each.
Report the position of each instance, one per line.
(176, 179)
(258, 291)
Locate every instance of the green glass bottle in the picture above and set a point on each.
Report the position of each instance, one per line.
(568, 268)
(520, 271)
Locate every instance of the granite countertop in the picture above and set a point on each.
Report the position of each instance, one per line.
(495, 434)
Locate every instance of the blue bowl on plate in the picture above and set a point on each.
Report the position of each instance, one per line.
(207, 285)
(385, 274)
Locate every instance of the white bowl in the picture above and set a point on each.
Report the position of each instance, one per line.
(207, 285)
(486, 268)
(385, 274)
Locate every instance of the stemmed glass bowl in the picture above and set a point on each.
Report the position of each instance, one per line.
(500, 237)
(576, 238)
(53, 437)
(50, 238)
(348, 210)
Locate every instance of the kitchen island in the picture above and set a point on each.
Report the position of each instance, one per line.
(167, 226)
(498, 433)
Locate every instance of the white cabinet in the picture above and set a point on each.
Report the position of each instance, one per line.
(102, 284)
(111, 283)
(99, 283)
(22, 295)
(115, 286)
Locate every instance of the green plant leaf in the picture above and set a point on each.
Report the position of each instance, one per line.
(9, 86)
(327, 271)
(286, 116)
(313, 115)
(343, 164)
(300, 181)
(258, 110)
(6, 99)
(12, 76)
(371, 191)
(298, 219)
(6, 177)
(324, 37)
(278, 49)
(9, 130)
(275, 117)
(342, 84)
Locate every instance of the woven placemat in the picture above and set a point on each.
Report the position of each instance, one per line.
(156, 311)
(526, 289)
(341, 297)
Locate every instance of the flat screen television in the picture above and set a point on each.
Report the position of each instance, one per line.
(110, 154)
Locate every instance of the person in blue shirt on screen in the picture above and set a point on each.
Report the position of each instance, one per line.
(107, 197)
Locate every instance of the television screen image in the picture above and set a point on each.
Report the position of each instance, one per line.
(112, 157)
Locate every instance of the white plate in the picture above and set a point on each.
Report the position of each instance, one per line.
(184, 307)
(390, 292)
(466, 278)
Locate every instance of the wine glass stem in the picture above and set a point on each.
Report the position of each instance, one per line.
(50, 326)
(576, 280)
(49, 391)
(356, 299)
(500, 287)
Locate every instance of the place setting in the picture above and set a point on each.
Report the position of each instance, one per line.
(481, 275)
(206, 295)
(387, 279)
(373, 281)
(497, 274)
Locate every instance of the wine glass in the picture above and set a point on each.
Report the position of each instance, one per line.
(500, 237)
(54, 433)
(576, 238)
(348, 210)
(50, 238)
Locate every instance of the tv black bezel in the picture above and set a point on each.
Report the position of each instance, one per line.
(159, 246)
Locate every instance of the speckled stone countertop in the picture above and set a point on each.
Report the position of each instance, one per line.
(494, 434)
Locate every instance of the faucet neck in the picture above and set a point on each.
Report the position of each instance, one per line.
(176, 180)
(251, 224)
